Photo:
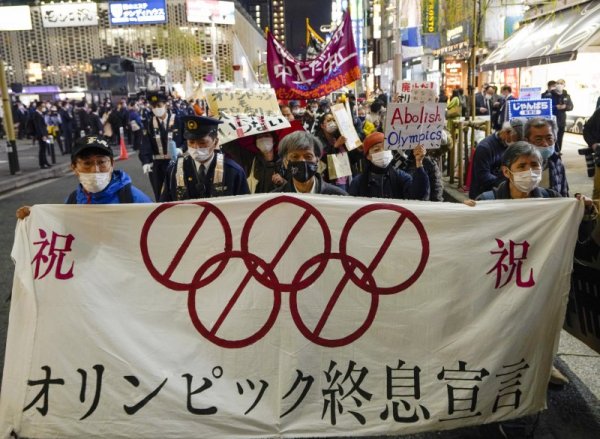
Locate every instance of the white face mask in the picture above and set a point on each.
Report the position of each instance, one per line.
(200, 154)
(265, 144)
(381, 159)
(159, 111)
(331, 127)
(95, 182)
(560, 87)
(526, 181)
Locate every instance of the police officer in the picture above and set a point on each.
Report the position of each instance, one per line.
(203, 172)
(159, 140)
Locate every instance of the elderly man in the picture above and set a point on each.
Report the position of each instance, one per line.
(488, 154)
(300, 152)
(99, 183)
(203, 172)
(542, 133)
(382, 180)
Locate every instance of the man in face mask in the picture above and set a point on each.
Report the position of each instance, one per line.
(381, 180)
(203, 172)
(542, 133)
(99, 183)
(561, 103)
(487, 159)
(160, 140)
(300, 152)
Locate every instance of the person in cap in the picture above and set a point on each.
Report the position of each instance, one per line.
(300, 152)
(381, 180)
(203, 172)
(160, 139)
(487, 160)
(99, 183)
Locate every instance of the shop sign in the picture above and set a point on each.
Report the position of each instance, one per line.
(454, 34)
(526, 93)
(531, 108)
(453, 48)
(69, 14)
(430, 16)
(137, 12)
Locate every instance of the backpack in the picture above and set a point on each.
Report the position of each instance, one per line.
(125, 195)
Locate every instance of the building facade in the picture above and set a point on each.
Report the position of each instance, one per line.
(61, 55)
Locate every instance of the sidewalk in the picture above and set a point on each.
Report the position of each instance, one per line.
(30, 172)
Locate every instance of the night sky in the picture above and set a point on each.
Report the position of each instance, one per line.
(319, 13)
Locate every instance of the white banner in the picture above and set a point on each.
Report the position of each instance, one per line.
(69, 14)
(283, 316)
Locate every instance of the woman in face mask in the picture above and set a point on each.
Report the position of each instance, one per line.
(522, 167)
(381, 180)
(263, 173)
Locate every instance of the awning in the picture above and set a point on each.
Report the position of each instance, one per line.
(549, 39)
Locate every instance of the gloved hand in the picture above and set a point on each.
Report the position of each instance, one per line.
(147, 168)
(174, 152)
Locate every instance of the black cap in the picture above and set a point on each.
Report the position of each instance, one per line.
(99, 144)
(197, 127)
(154, 97)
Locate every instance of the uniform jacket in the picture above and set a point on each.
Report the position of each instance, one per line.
(390, 183)
(110, 194)
(234, 180)
(152, 127)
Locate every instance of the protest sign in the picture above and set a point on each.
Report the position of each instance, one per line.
(527, 93)
(417, 91)
(531, 108)
(283, 316)
(245, 112)
(409, 125)
(338, 165)
(345, 126)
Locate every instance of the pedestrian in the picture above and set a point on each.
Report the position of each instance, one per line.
(99, 183)
(159, 140)
(381, 180)
(204, 172)
(561, 103)
(40, 132)
(300, 152)
(65, 111)
(503, 114)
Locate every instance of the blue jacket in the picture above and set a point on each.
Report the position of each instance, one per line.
(486, 165)
(110, 193)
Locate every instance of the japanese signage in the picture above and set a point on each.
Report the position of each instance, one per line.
(526, 93)
(454, 75)
(15, 18)
(531, 108)
(336, 66)
(409, 125)
(210, 11)
(417, 91)
(430, 16)
(218, 319)
(245, 112)
(69, 14)
(137, 12)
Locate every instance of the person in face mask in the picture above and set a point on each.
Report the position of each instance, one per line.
(542, 133)
(99, 183)
(160, 139)
(561, 103)
(203, 172)
(487, 158)
(300, 152)
(381, 180)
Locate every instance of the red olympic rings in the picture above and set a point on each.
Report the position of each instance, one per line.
(263, 271)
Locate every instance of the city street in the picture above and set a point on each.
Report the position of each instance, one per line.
(573, 412)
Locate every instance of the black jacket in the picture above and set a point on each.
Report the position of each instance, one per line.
(40, 129)
(323, 187)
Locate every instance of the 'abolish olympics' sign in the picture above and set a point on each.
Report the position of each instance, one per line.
(260, 270)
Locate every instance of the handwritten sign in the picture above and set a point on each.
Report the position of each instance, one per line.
(409, 125)
(417, 91)
(245, 112)
(346, 127)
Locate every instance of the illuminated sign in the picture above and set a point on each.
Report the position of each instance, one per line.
(430, 16)
(69, 14)
(210, 11)
(15, 18)
(140, 12)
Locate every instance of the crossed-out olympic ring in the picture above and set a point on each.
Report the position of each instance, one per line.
(263, 271)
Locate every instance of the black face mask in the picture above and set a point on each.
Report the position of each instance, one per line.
(302, 171)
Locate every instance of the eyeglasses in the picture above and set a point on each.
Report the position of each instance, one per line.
(88, 165)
